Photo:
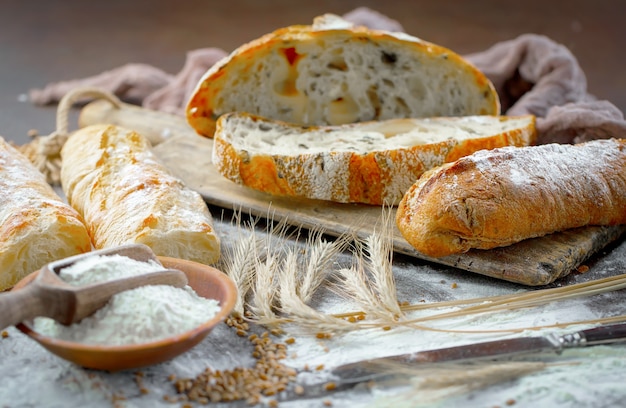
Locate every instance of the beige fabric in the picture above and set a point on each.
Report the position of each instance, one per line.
(173, 97)
(532, 74)
(130, 82)
(535, 75)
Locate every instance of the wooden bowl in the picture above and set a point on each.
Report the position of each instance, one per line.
(207, 281)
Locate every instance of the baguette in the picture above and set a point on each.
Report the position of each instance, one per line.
(110, 175)
(36, 226)
(500, 197)
(333, 73)
(368, 162)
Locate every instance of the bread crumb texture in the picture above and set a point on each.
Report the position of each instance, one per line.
(370, 162)
(338, 74)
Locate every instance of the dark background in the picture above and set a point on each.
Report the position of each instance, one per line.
(45, 41)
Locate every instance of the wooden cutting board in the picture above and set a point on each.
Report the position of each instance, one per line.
(533, 262)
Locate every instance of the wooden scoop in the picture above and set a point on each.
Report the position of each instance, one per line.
(48, 295)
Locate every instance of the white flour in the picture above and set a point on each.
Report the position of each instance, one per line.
(105, 268)
(140, 315)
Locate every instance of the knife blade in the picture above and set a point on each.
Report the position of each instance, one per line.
(350, 375)
(365, 370)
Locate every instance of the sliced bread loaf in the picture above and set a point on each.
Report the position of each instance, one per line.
(335, 73)
(369, 162)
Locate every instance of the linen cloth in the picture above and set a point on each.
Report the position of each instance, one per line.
(532, 75)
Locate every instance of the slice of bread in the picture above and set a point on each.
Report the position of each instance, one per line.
(334, 73)
(369, 162)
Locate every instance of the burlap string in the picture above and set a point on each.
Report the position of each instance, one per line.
(45, 151)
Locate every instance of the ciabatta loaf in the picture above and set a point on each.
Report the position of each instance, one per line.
(368, 162)
(333, 73)
(110, 175)
(36, 226)
(503, 196)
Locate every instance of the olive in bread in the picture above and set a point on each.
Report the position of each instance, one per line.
(110, 175)
(36, 226)
(367, 162)
(333, 73)
(499, 197)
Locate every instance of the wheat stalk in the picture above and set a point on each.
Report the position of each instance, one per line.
(239, 261)
(320, 255)
(507, 303)
(295, 308)
(368, 282)
(265, 289)
(284, 284)
(353, 284)
(531, 299)
(379, 260)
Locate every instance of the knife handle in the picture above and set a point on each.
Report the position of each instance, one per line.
(604, 334)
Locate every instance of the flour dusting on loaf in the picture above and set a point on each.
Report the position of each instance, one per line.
(368, 162)
(110, 175)
(36, 226)
(503, 196)
(335, 73)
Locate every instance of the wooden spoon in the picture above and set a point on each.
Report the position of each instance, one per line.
(48, 295)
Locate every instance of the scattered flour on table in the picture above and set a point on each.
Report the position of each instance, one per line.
(140, 315)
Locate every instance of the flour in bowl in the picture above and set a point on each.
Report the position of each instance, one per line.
(140, 315)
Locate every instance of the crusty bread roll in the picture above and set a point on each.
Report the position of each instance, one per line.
(125, 195)
(368, 162)
(36, 226)
(503, 196)
(334, 73)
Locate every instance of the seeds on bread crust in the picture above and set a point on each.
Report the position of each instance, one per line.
(370, 162)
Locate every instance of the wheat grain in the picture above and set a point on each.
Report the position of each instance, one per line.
(266, 378)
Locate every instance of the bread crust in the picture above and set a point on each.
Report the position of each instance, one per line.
(379, 175)
(503, 196)
(36, 226)
(110, 175)
(336, 74)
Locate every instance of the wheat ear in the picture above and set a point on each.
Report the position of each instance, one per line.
(295, 308)
(265, 289)
(239, 262)
(319, 255)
